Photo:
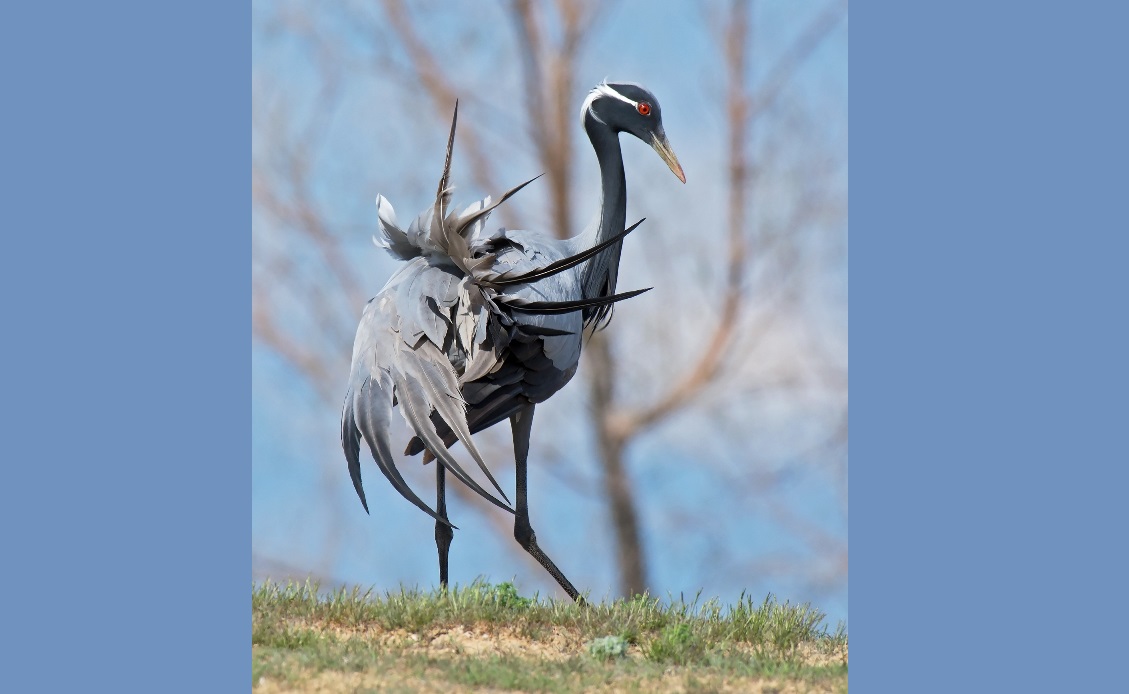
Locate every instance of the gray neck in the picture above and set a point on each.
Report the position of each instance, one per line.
(598, 275)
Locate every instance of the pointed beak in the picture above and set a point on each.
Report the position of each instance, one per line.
(662, 146)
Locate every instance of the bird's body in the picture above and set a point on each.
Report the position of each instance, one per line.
(480, 327)
(427, 300)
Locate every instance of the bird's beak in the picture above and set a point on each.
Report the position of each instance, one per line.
(662, 146)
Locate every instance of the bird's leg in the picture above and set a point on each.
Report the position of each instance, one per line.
(522, 423)
(443, 533)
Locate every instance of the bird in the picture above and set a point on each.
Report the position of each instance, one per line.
(477, 327)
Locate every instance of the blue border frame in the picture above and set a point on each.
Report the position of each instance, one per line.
(988, 350)
(126, 270)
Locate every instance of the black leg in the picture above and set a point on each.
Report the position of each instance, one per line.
(443, 533)
(522, 423)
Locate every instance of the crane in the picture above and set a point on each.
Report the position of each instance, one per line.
(478, 327)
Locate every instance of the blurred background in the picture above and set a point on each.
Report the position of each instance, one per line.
(702, 445)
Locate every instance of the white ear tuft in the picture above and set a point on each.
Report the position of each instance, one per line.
(601, 90)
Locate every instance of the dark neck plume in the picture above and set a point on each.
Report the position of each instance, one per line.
(598, 276)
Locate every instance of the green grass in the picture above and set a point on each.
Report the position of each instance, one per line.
(384, 640)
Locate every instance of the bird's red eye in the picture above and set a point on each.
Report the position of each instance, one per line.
(644, 108)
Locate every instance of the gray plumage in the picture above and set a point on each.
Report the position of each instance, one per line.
(479, 327)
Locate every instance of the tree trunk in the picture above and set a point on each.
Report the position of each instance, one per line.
(617, 485)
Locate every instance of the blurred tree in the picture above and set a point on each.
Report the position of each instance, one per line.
(737, 338)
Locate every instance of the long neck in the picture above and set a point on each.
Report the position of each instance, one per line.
(598, 275)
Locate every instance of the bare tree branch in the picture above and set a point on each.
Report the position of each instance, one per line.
(548, 73)
(785, 67)
(625, 424)
(443, 95)
(742, 108)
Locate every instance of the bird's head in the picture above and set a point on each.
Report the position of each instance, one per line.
(626, 107)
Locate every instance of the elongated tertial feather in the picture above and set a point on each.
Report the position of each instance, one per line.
(561, 265)
(351, 443)
(443, 195)
(372, 412)
(410, 402)
(442, 388)
(542, 331)
(468, 221)
(554, 307)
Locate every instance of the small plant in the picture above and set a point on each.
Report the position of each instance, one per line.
(506, 595)
(607, 647)
(676, 644)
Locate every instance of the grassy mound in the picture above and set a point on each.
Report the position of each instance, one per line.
(486, 636)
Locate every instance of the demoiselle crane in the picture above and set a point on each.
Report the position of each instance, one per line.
(479, 327)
